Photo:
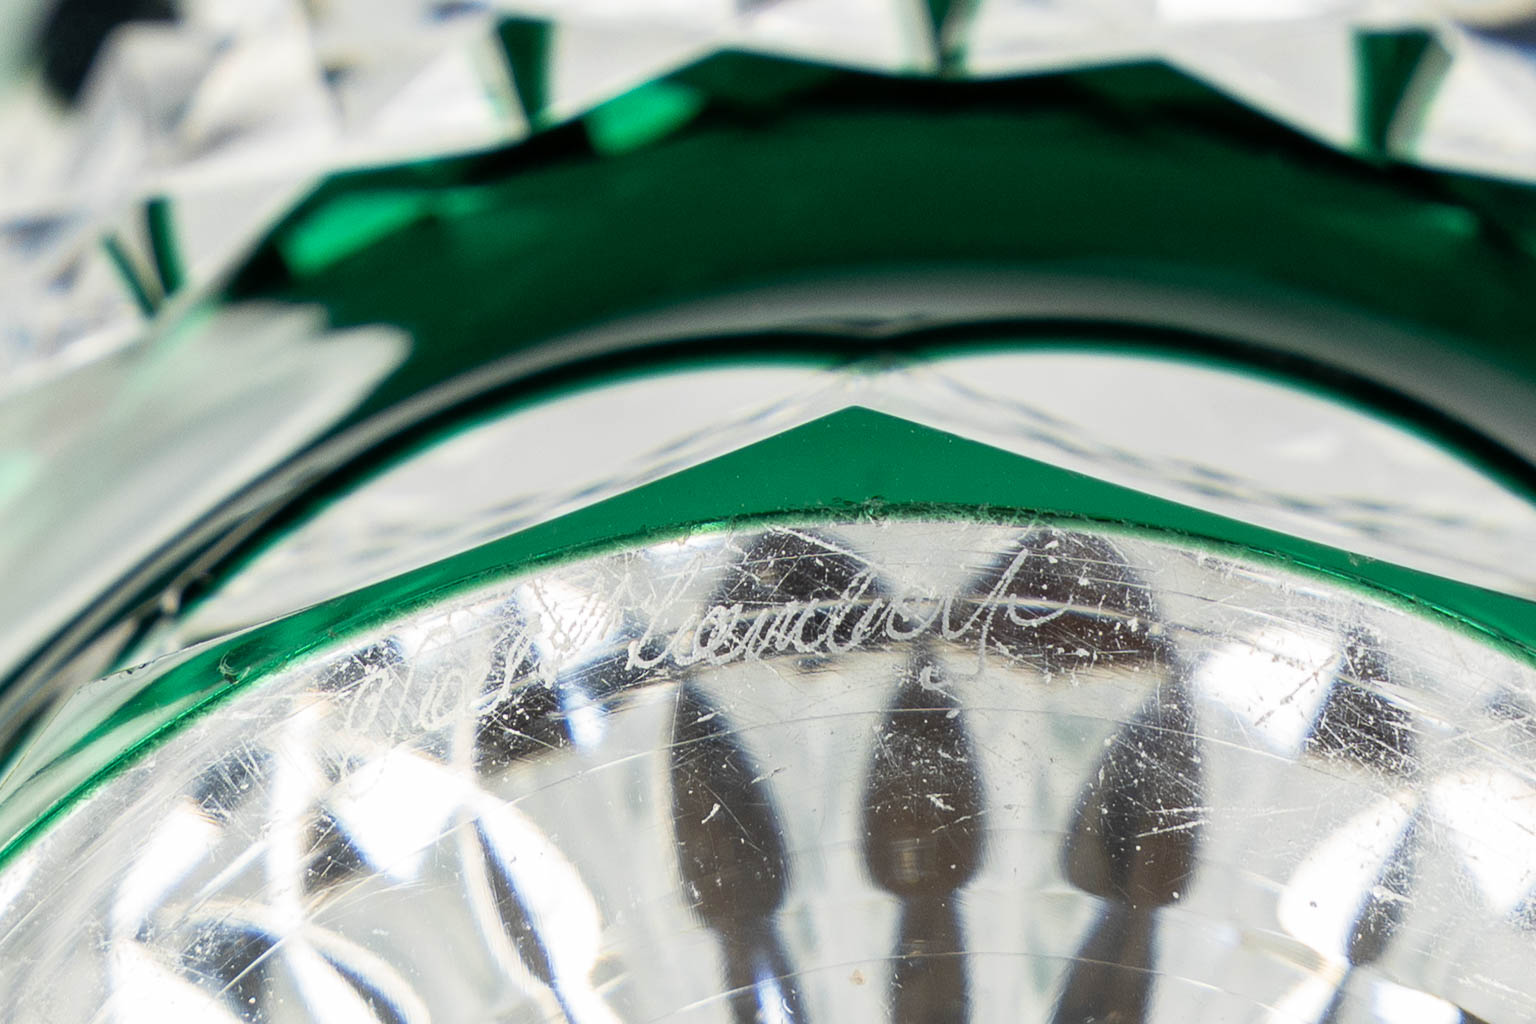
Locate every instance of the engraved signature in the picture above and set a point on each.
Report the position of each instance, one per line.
(857, 617)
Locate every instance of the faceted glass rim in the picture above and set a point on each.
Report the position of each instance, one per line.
(525, 52)
(91, 736)
(1026, 633)
(413, 81)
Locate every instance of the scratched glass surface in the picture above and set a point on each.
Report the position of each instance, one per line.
(1301, 463)
(835, 772)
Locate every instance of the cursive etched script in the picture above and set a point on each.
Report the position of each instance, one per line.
(856, 618)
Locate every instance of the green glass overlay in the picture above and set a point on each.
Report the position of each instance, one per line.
(743, 172)
(1389, 63)
(852, 464)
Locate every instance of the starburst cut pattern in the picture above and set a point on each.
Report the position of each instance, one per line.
(190, 136)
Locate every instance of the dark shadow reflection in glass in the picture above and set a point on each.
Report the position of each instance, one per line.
(1065, 602)
(1357, 722)
(819, 595)
(733, 865)
(1133, 844)
(923, 817)
(1379, 917)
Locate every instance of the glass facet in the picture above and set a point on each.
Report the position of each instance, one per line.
(907, 770)
(767, 511)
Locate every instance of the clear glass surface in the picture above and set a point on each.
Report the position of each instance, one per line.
(1284, 458)
(767, 511)
(936, 770)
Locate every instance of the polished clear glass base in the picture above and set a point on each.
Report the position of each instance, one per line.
(907, 770)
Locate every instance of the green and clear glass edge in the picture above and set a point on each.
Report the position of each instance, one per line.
(850, 465)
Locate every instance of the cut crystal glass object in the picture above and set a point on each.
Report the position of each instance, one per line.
(227, 112)
(918, 770)
(469, 408)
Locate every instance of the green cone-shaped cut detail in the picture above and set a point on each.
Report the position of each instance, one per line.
(526, 43)
(144, 294)
(947, 17)
(939, 12)
(1388, 64)
(162, 238)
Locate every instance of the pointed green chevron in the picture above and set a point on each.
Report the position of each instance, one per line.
(525, 41)
(855, 463)
(944, 18)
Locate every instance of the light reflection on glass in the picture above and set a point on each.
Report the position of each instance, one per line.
(1397, 1004)
(1275, 683)
(1490, 815)
(958, 772)
(1333, 887)
(393, 808)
